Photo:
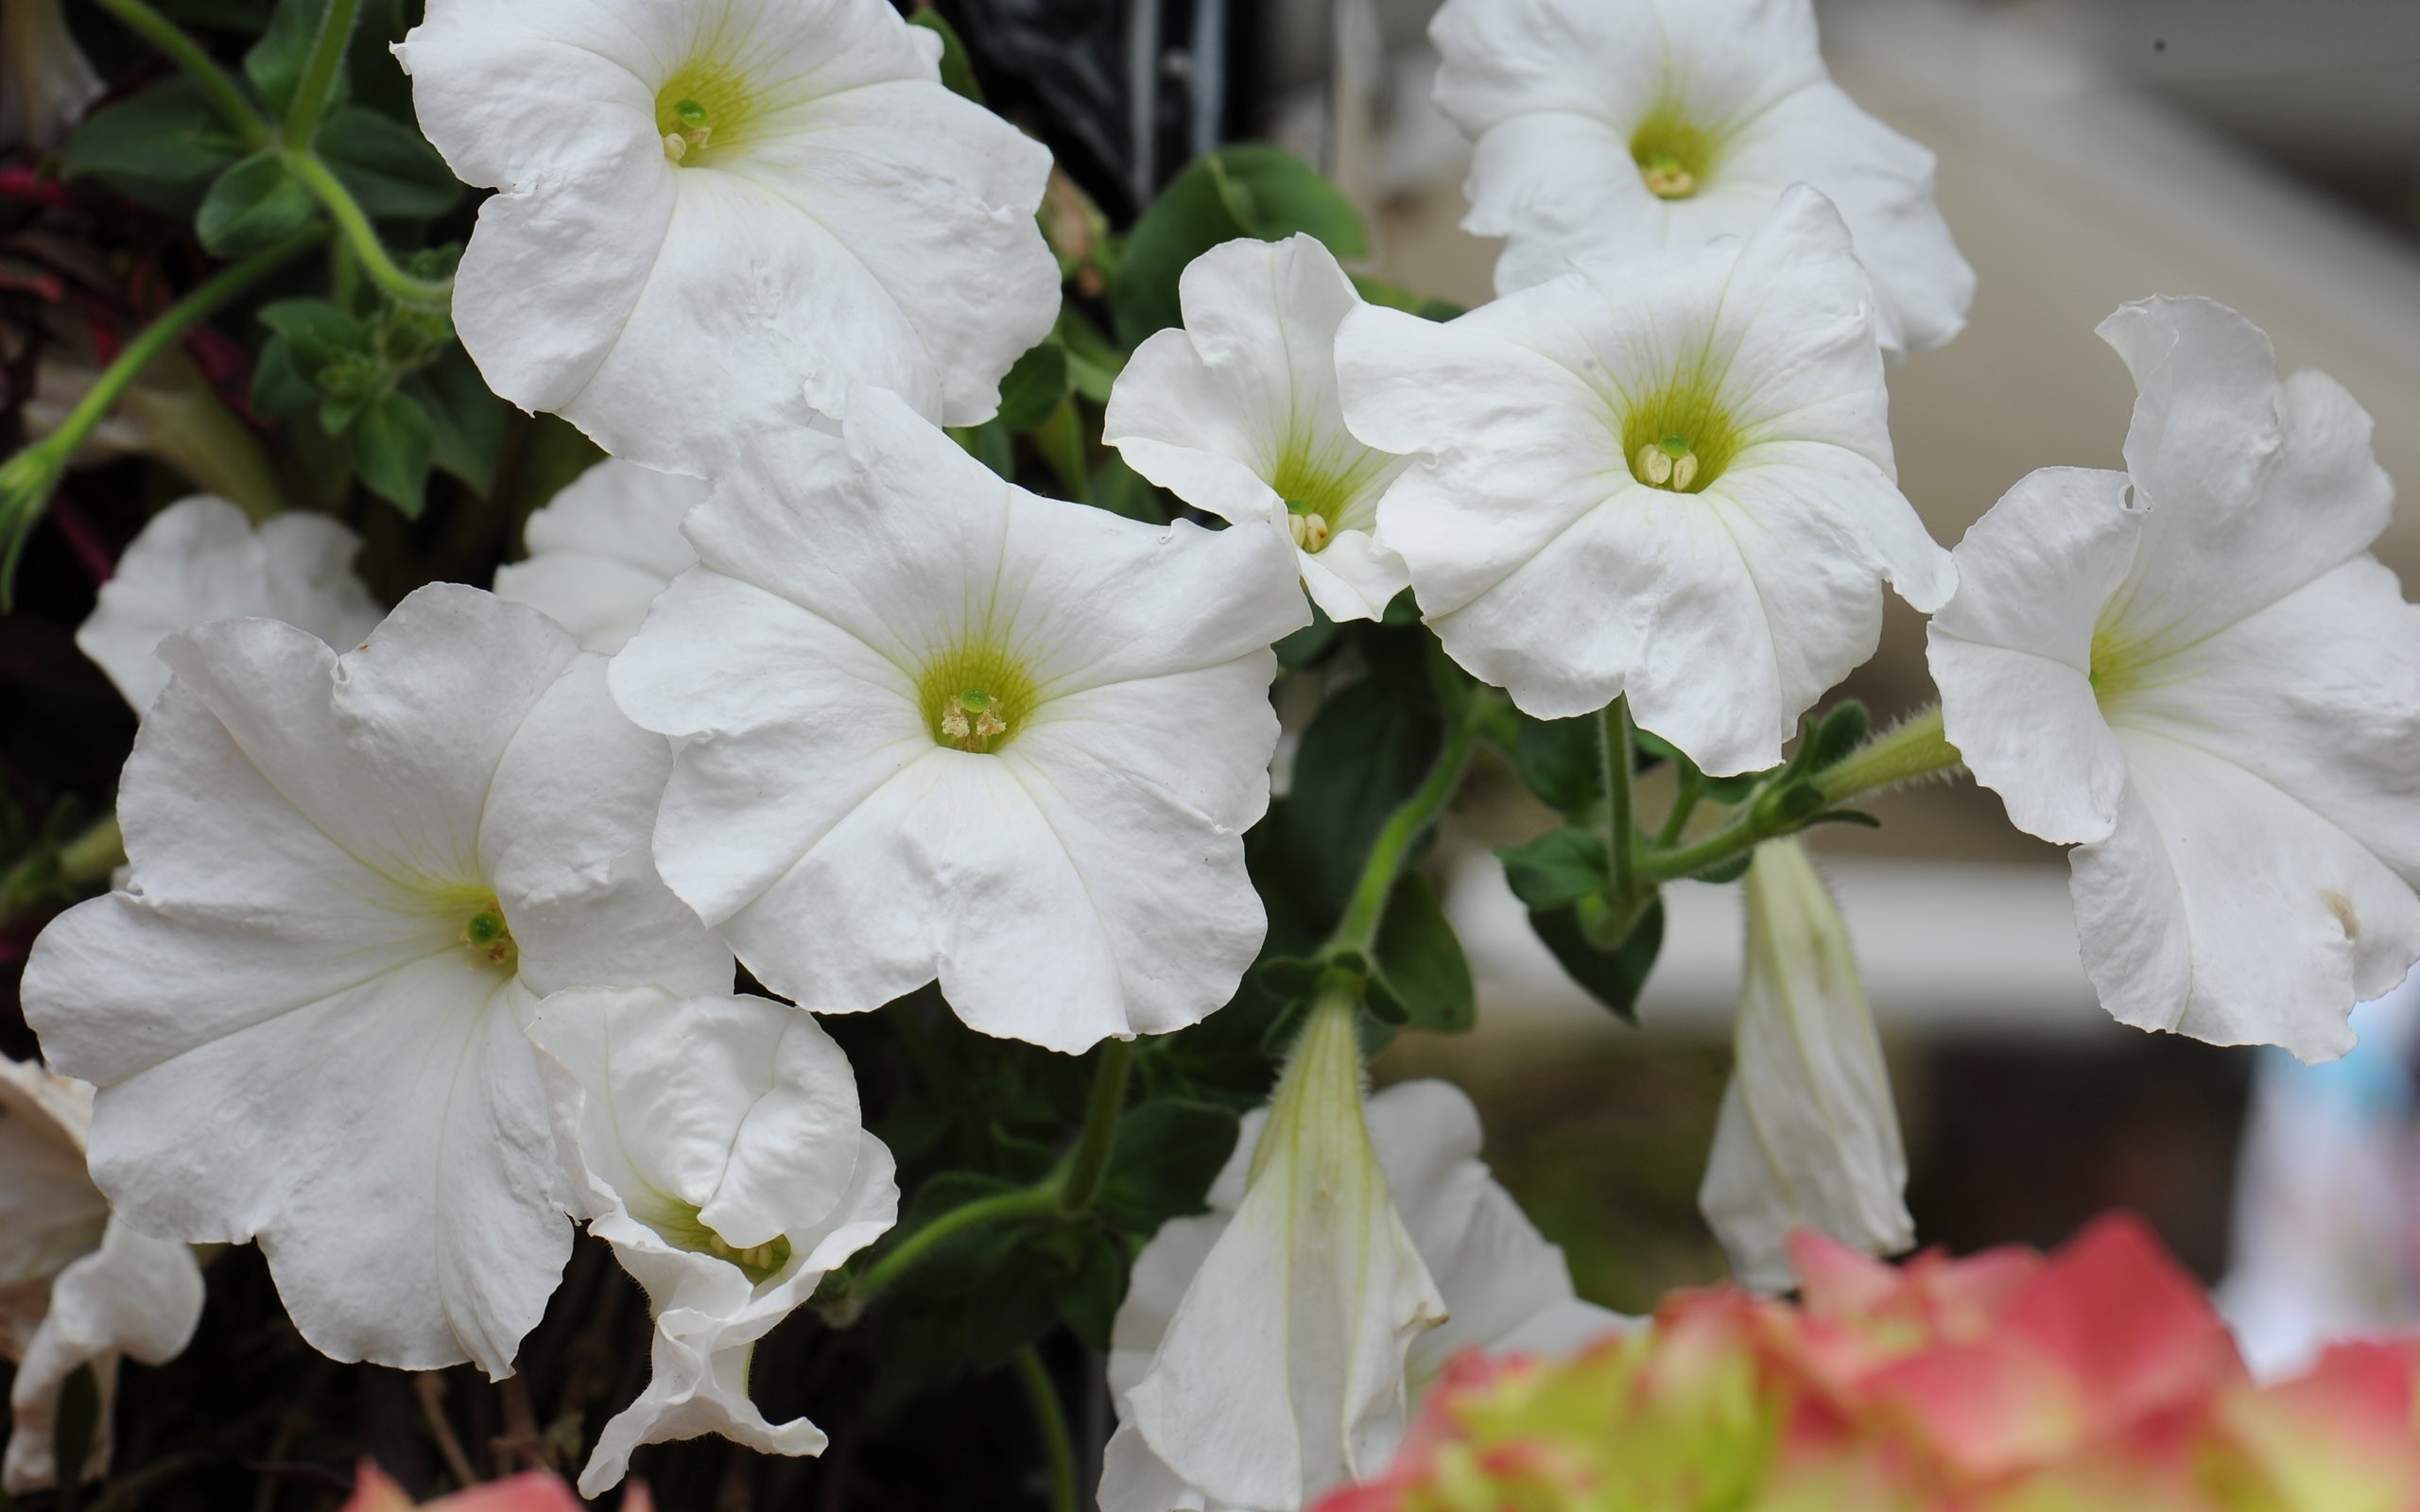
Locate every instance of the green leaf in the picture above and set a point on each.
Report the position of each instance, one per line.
(279, 390)
(1168, 1153)
(1562, 761)
(1120, 489)
(1420, 966)
(1089, 1290)
(1558, 869)
(1094, 361)
(466, 421)
(161, 149)
(1249, 189)
(252, 206)
(958, 74)
(1612, 977)
(1035, 386)
(971, 1256)
(276, 62)
(1368, 750)
(394, 445)
(990, 445)
(390, 167)
(1306, 644)
(1395, 296)
(319, 333)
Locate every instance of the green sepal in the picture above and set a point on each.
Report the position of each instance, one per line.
(1558, 869)
(1249, 189)
(390, 168)
(1419, 979)
(1723, 871)
(1035, 386)
(1854, 817)
(1168, 1151)
(1833, 737)
(251, 207)
(394, 444)
(162, 149)
(958, 71)
(1614, 977)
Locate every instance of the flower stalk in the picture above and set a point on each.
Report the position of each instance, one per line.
(1058, 1448)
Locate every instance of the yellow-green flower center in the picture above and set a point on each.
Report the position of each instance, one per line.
(1318, 492)
(975, 698)
(489, 938)
(679, 1225)
(1674, 157)
(1680, 437)
(2121, 663)
(702, 112)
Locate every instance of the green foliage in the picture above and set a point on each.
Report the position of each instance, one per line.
(1420, 979)
(394, 444)
(1168, 1151)
(1614, 976)
(1366, 753)
(1562, 761)
(162, 149)
(390, 167)
(1558, 869)
(958, 71)
(1245, 190)
(252, 207)
(1035, 386)
(276, 62)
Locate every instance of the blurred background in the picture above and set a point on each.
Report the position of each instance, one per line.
(2263, 152)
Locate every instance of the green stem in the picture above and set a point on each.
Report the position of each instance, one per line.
(1362, 915)
(1026, 1202)
(1080, 1178)
(1693, 787)
(315, 175)
(249, 124)
(319, 75)
(1917, 746)
(1621, 820)
(1058, 1448)
(27, 479)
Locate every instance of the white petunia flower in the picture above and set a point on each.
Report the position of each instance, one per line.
(711, 209)
(2195, 670)
(78, 1288)
(1808, 1136)
(1611, 127)
(200, 559)
(940, 726)
(45, 84)
(1672, 479)
(1237, 414)
(352, 880)
(1504, 1286)
(602, 550)
(716, 1143)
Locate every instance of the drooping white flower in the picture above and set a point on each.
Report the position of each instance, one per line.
(78, 1288)
(200, 559)
(1670, 478)
(1264, 1349)
(2195, 671)
(716, 1143)
(1808, 1136)
(45, 84)
(1610, 128)
(941, 728)
(602, 550)
(711, 209)
(352, 880)
(1236, 413)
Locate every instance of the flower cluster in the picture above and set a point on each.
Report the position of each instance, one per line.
(2095, 1377)
(905, 663)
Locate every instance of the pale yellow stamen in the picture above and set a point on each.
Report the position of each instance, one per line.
(973, 719)
(1666, 464)
(1666, 180)
(1310, 531)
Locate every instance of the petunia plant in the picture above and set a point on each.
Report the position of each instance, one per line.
(861, 877)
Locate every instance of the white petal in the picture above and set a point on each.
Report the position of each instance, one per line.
(701, 1356)
(2012, 651)
(134, 1295)
(603, 549)
(1808, 1136)
(50, 1211)
(870, 227)
(200, 559)
(293, 1038)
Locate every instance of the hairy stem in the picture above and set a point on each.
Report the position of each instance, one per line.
(1080, 1178)
(315, 175)
(1058, 1448)
(250, 125)
(319, 78)
(1621, 820)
